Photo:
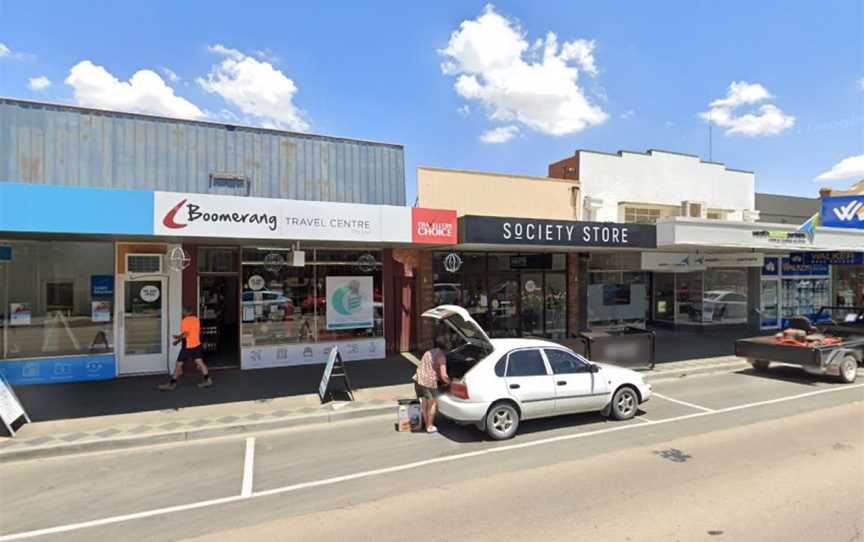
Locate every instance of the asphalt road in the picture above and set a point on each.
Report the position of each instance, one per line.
(737, 456)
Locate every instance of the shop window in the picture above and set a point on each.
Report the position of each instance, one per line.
(144, 263)
(725, 298)
(283, 304)
(617, 298)
(218, 260)
(57, 299)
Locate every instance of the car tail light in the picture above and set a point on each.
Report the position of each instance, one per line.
(459, 389)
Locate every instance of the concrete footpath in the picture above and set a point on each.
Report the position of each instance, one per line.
(53, 437)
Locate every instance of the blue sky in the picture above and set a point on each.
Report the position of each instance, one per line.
(616, 76)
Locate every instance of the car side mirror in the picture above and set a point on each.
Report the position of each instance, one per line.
(595, 368)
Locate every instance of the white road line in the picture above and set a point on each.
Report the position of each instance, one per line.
(248, 468)
(643, 419)
(404, 467)
(685, 403)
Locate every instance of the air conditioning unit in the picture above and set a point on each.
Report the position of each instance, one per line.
(144, 263)
(750, 215)
(693, 209)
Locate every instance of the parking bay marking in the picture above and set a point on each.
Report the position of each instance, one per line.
(248, 468)
(399, 468)
(685, 403)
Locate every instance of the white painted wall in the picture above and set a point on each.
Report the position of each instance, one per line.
(662, 178)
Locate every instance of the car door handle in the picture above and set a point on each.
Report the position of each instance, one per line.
(514, 386)
(562, 382)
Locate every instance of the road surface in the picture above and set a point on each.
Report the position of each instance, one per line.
(737, 456)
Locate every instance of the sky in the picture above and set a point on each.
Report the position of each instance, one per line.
(506, 87)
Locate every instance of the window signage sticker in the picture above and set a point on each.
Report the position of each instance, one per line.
(349, 302)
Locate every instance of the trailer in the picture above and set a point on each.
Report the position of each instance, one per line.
(834, 347)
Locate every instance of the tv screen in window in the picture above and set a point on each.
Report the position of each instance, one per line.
(616, 294)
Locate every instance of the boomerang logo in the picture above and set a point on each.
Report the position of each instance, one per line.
(847, 212)
(169, 222)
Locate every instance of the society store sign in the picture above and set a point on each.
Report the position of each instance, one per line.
(262, 357)
(843, 212)
(523, 231)
(206, 215)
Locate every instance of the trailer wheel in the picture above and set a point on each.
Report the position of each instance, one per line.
(848, 369)
(760, 365)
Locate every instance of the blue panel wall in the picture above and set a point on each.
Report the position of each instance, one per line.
(57, 209)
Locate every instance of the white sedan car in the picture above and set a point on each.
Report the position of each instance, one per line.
(496, 383)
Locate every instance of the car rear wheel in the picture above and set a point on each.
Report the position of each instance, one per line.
(502, 421)
(760, 365)
(625, 403)
(848, 369)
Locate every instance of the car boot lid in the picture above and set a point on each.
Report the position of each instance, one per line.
(460, 321)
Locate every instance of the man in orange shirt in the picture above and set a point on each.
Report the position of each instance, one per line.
(190, 335)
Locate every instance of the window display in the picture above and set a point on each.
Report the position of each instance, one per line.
(509, 294)
(283, 304)
(56, 299)
(710, 297)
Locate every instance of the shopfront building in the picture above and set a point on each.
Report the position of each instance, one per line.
(282, 243)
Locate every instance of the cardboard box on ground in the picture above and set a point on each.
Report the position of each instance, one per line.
(408, 415)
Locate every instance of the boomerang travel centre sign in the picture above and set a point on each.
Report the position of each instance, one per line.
(525, 231)
(203, 215)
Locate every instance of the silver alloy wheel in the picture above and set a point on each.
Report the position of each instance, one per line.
(626, 402)
(502, 420)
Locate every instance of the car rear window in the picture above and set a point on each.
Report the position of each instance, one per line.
(525, 363)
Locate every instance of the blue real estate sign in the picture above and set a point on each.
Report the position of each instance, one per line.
(843, 212)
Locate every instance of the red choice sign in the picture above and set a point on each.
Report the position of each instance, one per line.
(433, 226)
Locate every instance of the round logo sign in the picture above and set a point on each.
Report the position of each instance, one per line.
(452, 262)
(178, 259)
(149, 293)
(530, 286)
(256, 282)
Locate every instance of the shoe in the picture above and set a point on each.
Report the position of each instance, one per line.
(206, 383)
(168, 386)
(432, 429)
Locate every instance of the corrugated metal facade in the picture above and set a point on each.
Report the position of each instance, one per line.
(71, 146)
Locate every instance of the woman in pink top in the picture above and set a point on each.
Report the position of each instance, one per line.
(431, 370)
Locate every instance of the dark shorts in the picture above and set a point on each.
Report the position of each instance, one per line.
(190, 354)
(425, 393)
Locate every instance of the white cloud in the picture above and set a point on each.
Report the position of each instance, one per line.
(464, 110)
(39, 84)
(849, 168)
(768, 119)
(535, 85)
(668, 124)
(860, 84)
(6, 52)
(170, 74)
(256, 88)
(628, 114)
(501, 134)
(145, 92)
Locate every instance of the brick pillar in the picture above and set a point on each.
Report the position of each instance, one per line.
(577, 292)
(425, 299)
(392, 302)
